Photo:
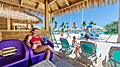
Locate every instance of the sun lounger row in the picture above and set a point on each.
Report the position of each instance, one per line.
(90, 53)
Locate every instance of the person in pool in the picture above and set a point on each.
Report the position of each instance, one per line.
(34, 41)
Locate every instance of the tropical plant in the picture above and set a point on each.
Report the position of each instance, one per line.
(112, 28)
(84, 24)
(53, 21)
(63, 26)
(92, 23)
(67, 26)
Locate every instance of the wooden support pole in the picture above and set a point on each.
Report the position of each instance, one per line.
(27, 25)
(21, 3)
(118, 40)
(46, 16)
(8, 24)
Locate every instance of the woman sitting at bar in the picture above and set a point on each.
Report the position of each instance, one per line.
(37, 46)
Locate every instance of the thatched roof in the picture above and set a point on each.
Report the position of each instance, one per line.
(12, 11)
(56, 7)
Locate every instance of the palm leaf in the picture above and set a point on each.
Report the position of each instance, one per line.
(53, 19)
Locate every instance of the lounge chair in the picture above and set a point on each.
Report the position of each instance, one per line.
(82, 35)
(19, 59)
(66, 48)
(38, 57)
(113, 59)
(88, 54)
(92, 35)
(97, 36)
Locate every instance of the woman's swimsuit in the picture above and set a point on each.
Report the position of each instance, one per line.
(74, 43)
(35, 39)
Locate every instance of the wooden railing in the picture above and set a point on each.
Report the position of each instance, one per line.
(17, 34)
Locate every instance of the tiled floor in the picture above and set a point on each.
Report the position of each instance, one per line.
(65, 62)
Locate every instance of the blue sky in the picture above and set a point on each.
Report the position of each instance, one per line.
(100, 15)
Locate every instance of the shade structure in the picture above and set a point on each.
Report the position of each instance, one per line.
(56, 7)
(52, 7)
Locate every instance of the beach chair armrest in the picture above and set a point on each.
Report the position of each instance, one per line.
(92, 57)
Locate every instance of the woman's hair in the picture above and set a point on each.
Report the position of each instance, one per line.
(26, 38)
(33, 29)
(74, 37)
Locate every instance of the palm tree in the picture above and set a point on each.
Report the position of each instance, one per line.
(52, 28)
(54, 22)
(84, 24)
(92, 23)
(63, 26)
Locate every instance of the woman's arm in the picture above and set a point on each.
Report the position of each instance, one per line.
(28, 41)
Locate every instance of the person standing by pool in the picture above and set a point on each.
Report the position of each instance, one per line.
(76, 46)
(68, 32)
(62, 33)
(34, 41)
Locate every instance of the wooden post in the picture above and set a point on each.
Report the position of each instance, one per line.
(8, 24)
(46, 16)
(118, 40)
(27, 25)
(0, 35)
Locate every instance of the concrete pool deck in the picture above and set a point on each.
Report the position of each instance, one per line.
(102, 46)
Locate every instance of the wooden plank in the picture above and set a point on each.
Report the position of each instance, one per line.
(69, 6)
(38, 6)
(15, 34)
(3, 24)
(19, 5)
(52, 2)
(8, 24)
(21, 2)
(67, 2)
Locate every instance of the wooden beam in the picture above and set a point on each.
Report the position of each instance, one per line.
(37, 2)
(21, 2)
(69, 6)
(50, 11)
(46, 16)
(20, 5)
(57, 5)
(67, 2)
(52, 2)
(8, 24)
(38, 6)
(27, 24)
